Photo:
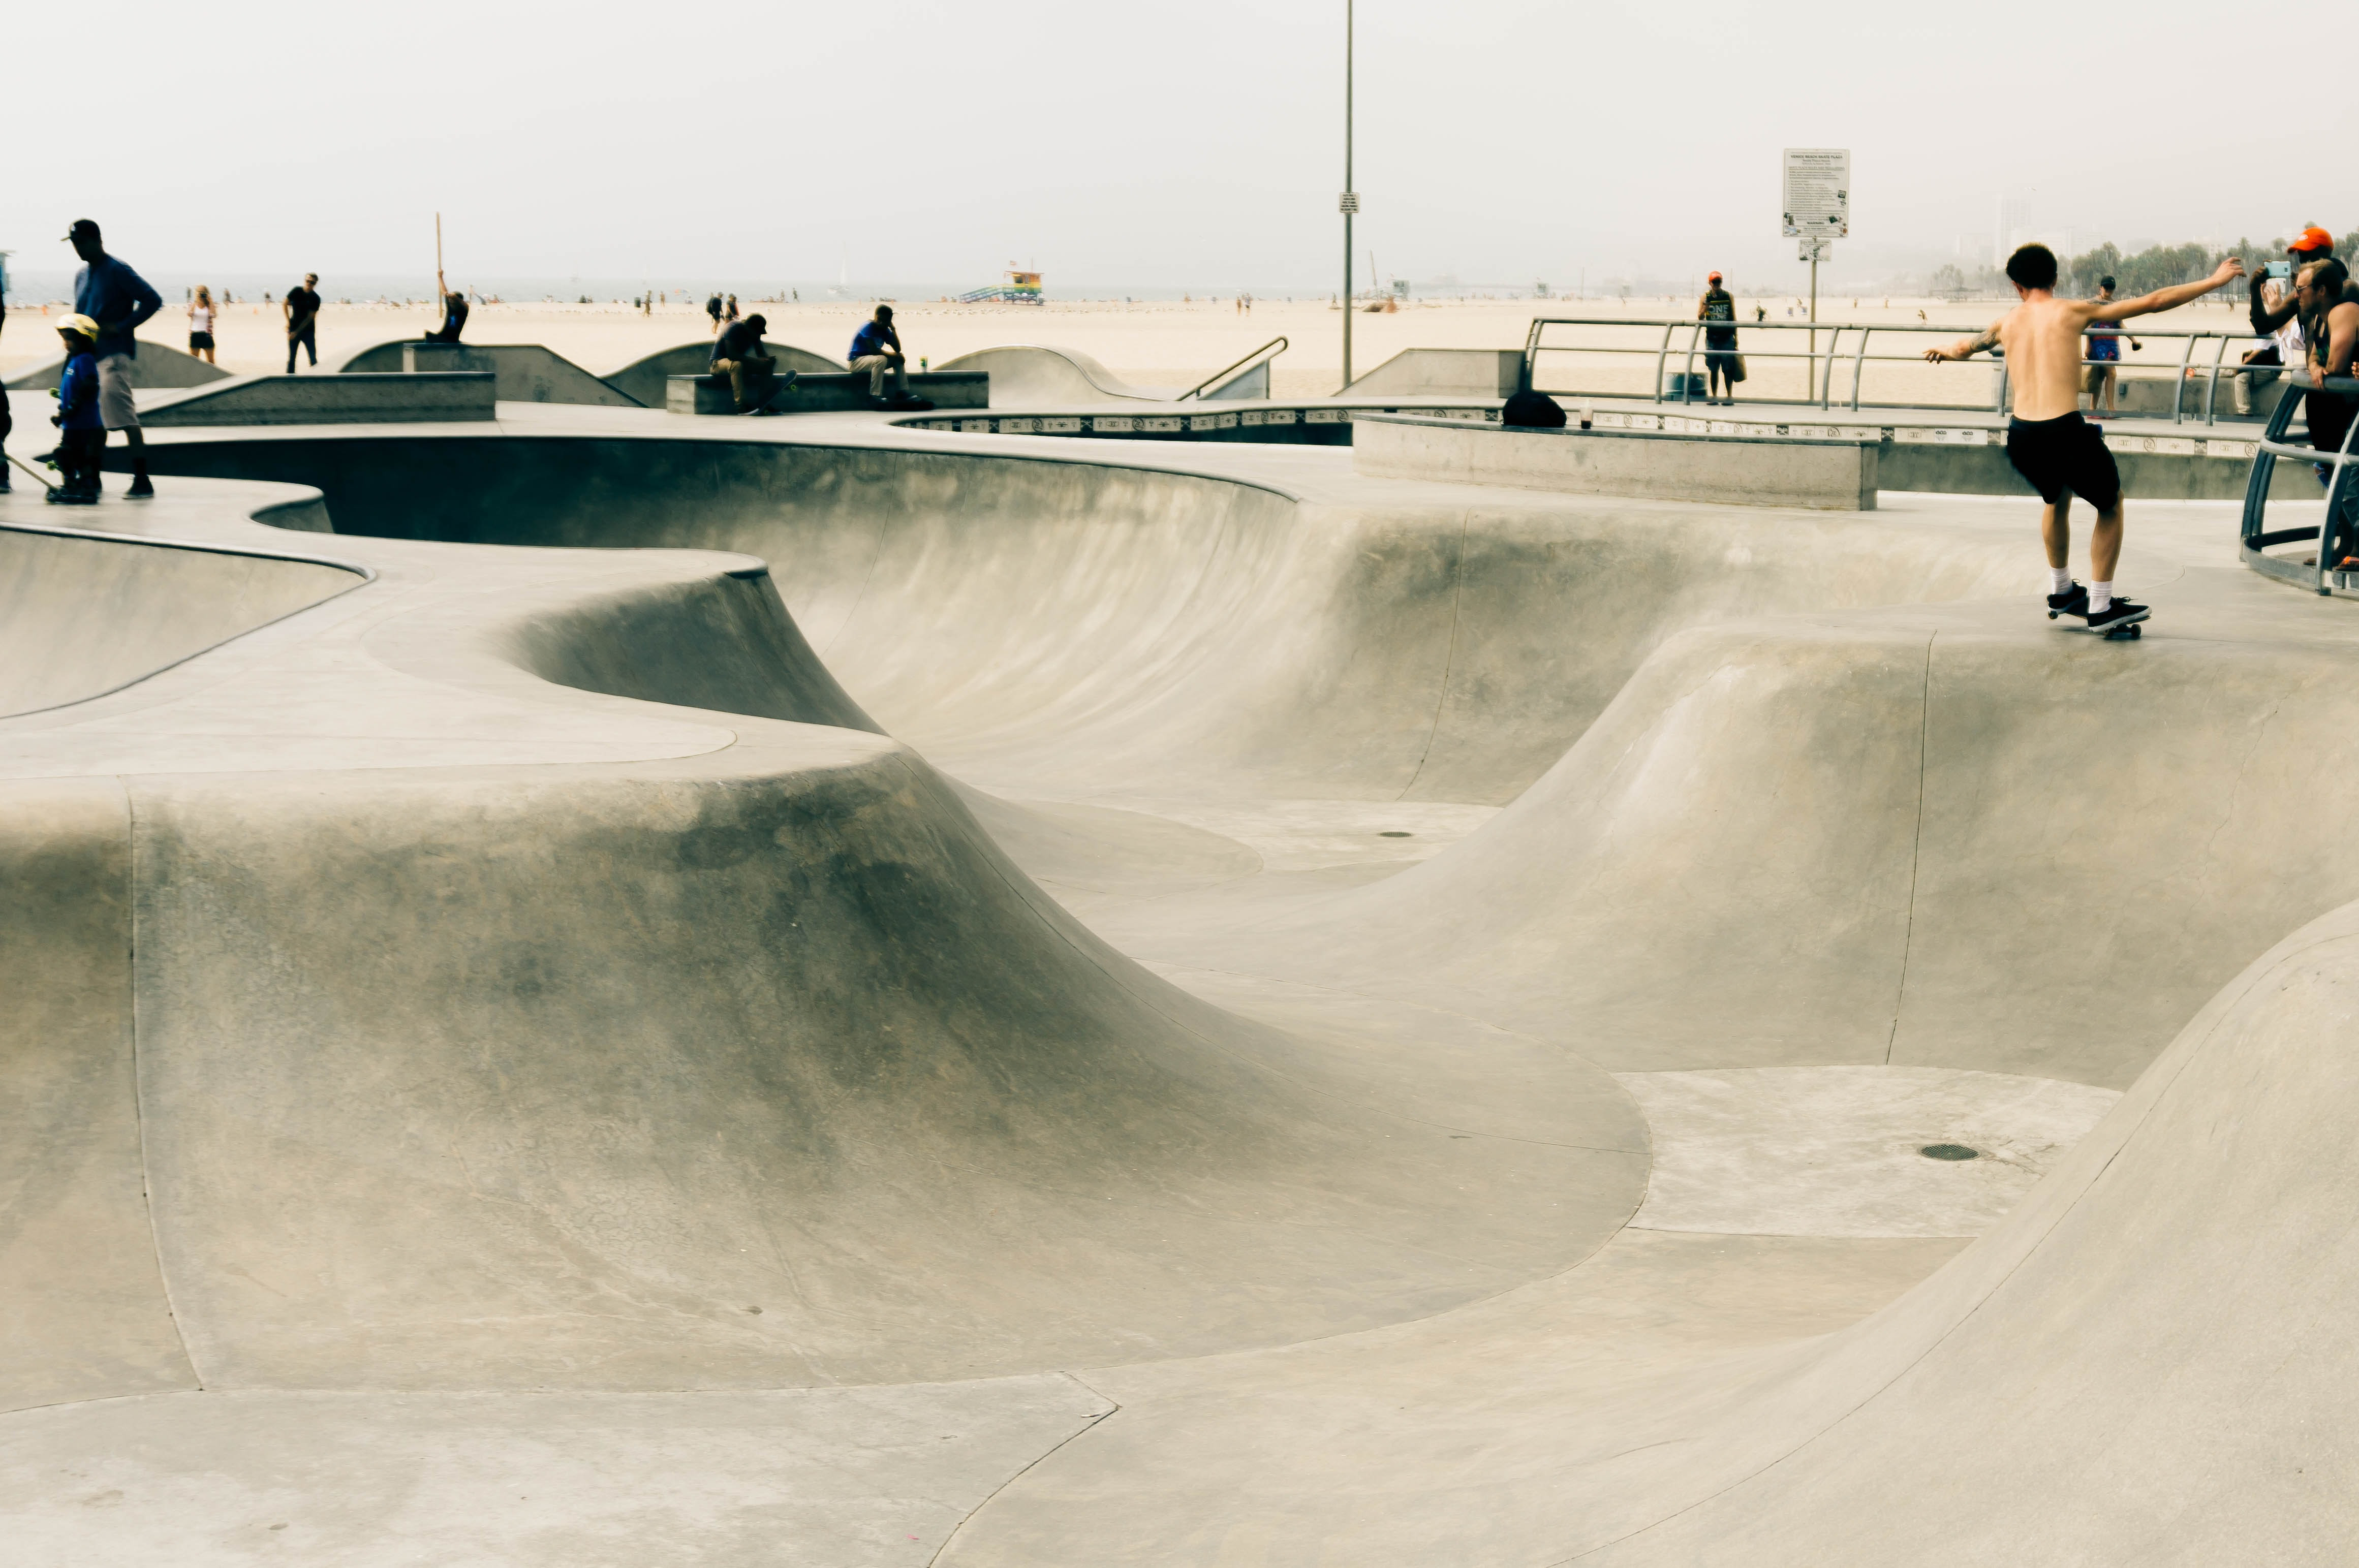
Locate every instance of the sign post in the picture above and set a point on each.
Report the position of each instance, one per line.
(1818, 212)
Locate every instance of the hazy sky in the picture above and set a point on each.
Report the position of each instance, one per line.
(1196, 145)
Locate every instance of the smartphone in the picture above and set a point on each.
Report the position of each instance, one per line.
(2280, 269)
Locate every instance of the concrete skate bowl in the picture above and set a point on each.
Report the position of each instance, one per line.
(1029, 376)
(83, 614)
(1780, 797)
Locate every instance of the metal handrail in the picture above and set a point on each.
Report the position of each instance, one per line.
(1820, 392)
(2253, 537)
(1272, 349)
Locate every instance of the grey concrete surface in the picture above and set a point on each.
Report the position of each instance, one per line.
(1030, 375)
(1302, 1017)
(1430, 373)
(327, 399)
(1733, 471)
(155, 365)
(827, 392)
(521, 372)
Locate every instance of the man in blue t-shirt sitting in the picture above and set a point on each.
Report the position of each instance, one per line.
(876, 349)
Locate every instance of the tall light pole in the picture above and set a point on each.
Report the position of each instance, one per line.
(1349, 203)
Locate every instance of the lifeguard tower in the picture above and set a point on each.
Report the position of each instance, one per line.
(1021, 288)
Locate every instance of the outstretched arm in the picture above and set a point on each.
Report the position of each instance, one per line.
(2168, 299)
(1966, 348)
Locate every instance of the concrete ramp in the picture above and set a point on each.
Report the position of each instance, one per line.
(1028, 375)
(81, 614)
(523, 372)
(155, 365)
(1442, 373)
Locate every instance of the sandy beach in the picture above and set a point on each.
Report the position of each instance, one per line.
(1171, 344)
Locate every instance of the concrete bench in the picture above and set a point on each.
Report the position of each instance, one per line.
(829, 393)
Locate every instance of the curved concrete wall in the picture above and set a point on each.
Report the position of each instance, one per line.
(1025, 375)
(81, 615)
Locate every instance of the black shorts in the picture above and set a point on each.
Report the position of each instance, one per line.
(2064, 456)
(200, 340)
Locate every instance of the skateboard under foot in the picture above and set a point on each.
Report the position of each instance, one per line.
(2123, 631)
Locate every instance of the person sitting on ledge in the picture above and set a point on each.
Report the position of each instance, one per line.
(454, 313)
(753, 372)
(876, 349)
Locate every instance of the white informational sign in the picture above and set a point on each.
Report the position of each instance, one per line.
(1818, 192)
(1816, 251)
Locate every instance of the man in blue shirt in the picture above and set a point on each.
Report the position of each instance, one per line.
(118, 299)
(876, 349)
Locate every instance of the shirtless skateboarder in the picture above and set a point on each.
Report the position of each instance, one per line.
(2047, 441)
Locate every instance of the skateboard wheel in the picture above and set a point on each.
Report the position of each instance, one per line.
(2136, 629)
(2051, 615)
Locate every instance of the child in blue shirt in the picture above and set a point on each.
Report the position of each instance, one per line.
(78, 455)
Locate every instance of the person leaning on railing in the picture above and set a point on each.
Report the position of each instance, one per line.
(2331, 323)
(2284, 348)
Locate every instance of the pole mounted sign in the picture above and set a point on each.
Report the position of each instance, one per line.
(1818, 192)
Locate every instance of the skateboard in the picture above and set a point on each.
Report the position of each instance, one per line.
(2119, 632)
(30, 469)
(770, 404)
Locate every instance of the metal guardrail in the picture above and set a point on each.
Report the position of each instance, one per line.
(2341, 495)
(1821, 365)
(1271, 350)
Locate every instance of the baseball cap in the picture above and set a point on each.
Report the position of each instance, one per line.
(2311, 239)
(83, 228)
(82, 324)
(1712, 277)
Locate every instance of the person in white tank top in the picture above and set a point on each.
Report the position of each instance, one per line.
(201, 325)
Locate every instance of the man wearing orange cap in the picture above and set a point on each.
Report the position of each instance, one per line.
(2312, 244)
(1721, 366)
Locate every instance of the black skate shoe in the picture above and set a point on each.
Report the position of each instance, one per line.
(2119, 619)
(2074, 602)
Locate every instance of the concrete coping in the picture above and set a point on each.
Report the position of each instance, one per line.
(1624, 433)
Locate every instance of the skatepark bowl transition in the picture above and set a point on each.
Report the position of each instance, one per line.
(589, 986)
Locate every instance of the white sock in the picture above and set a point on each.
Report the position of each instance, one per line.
(2100, 597)
(2060, 580)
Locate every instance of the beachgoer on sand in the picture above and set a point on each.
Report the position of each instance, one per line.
(2061, 454)
(201, 325)
(301, 309)
(712, 308)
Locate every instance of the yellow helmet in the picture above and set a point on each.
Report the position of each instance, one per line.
(78, 323)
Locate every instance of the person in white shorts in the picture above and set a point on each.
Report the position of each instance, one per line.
(119, 301)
